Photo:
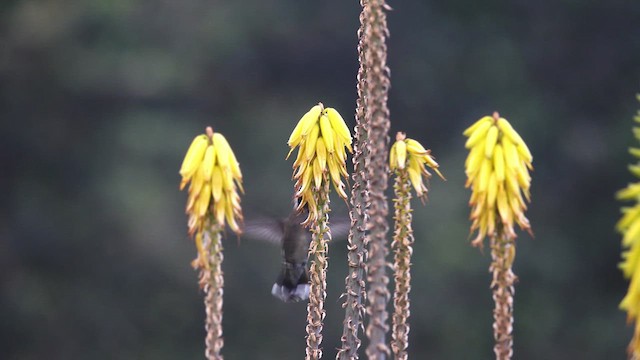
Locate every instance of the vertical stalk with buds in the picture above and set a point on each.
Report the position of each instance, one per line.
(497, 171)
(211, 167)
(629, 227)
(322, 139)
(408, 159)
(355, 290)
(377, 113)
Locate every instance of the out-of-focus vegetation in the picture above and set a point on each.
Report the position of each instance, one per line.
(100, 99)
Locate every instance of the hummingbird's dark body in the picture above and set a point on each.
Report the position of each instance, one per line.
(292, 283)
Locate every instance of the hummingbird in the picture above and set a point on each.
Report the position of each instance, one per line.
(292, 283)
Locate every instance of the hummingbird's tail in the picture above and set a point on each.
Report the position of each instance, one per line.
(292, 284)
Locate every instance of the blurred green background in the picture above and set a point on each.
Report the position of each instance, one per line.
(99, 101)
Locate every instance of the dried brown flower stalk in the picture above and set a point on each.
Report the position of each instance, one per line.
(402, 247)
(355, 293)
(377, 113)
(503, 253)
(212, 281)
(318, 274)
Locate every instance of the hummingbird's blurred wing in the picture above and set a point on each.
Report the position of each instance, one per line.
(339, 226)
(264, 229)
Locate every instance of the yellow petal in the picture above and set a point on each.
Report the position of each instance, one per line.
(631, 261)
(508, 130)
(340, 189)
(300, 158)
(304, 125)
(483, 176)
(631, 234)
(491, 222)
(523, 150)
(415, 164)
(305, 181)
(478, 134)
(230, 216)
(227, 180)
(629, 215)
(498, 163)
(222, 150)
(219, 209)
(321, 154)
(193, 158)
(310, 142)
(503, 207)
(334, 169)
(197, 182)
(338, 124)
(635, 152)
(235, 166)
(191, 201)
(468, 131)
(415, 147)
(401, 153)
(473, 163)
(524, 179)
(511, 180)
(216, 183)
(204, 199)
(338, 146)
(208, 162)
(492, 138)
(300, 170)
(631, 192)
(327, 133)
(317, 173)
(635, 170)
(492, 191)
(510, 153)
(429, 160)
(416, 181)
(392, 157)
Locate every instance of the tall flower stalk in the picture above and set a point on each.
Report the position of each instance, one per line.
(214, 173)
(322, 139)
(497, 171)
(408, 159)
(377, 113)
(355, 289)
(629, 227)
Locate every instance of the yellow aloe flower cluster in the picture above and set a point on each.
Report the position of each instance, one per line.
(322, 138)
(497, 170)
(215, 177)
(411, 155)
(629, 226)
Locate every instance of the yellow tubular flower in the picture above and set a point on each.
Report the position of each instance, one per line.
(213, 202)
(497, 170)
(409, 155)
(322, 139)
(629, 227)
(193, 159)
(211, 167)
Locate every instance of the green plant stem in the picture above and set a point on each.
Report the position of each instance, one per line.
(318, 273)
(402, 247)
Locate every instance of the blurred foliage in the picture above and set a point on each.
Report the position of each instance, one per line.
(100, 99)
